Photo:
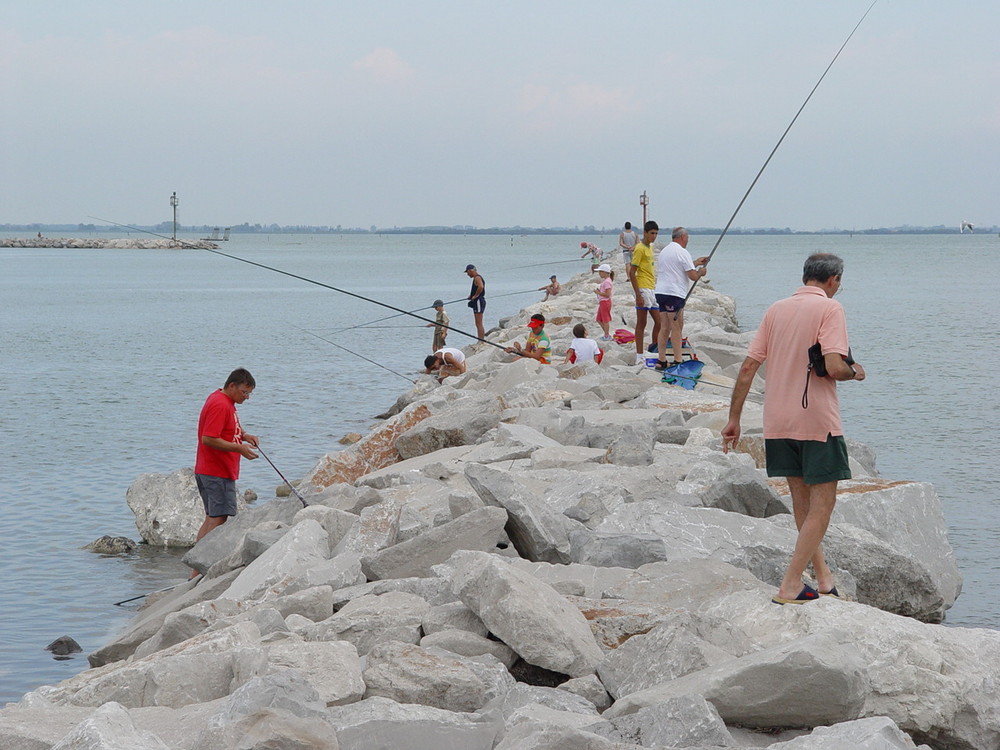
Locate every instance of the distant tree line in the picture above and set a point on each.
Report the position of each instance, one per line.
(166, 227)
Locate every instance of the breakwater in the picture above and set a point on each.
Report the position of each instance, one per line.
(99, 243)
(474, 513)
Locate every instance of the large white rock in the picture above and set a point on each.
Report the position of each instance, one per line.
(525, 613)
(168, 509)
(684, 721)
(407, 673)
(333, 668)
(109, 728)
(666, 652)
(886, 577)
(817, 679)
(378, 723)
(907, 516)
(203, 668)
(307, 544)
(536, 531)
(875, 733)
(480, 529)
(369, 620)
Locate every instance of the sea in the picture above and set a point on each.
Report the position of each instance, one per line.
(106, 357)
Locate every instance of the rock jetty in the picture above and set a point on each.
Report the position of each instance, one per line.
(114, 243)
(541, 557)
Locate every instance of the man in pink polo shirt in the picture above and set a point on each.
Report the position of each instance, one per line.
(803, 439)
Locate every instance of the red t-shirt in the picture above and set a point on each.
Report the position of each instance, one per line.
(219, 420)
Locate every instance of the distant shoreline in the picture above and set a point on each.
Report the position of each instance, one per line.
(109, 243)
(158, 230)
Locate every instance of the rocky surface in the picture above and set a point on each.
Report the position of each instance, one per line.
(99, 243)
(533, 556)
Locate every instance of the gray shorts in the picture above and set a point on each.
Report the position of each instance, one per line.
(218, 495)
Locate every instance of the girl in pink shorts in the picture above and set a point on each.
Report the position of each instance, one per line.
(604, 291)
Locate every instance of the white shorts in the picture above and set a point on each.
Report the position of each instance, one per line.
(648, 300)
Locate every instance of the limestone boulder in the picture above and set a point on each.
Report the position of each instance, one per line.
(633, 446)
(811, 681)
(331, 668)
(874, 733)
(668, 651)
(305, 545)
(885, 577)
(376, 529)
(374, 451)
(110, 726)
(146, 624)
(907, 516)
(477, 530)
(268, 728)
(684, 721)
(463, 424)
(525, 613)
(377, 723)
(369, 620)
(452, 616)
(200, 669)
(542, 736)
(536, 531)
(226, 541)
(168, 509)
(407, 673)
(469, 644)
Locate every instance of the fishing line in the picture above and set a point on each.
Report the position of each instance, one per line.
(768, 160)
(142, 596)
(362, 356)
(370, 323)
(536, 265)
(294, 491)
(308, 281)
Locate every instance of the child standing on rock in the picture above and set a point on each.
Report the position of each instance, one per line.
(604, 291)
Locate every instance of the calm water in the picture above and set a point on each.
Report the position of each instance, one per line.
(107, 357)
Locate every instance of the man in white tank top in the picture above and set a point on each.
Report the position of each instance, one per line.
(626, 241)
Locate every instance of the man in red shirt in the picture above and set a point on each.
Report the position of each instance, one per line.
(803, 438)
(221, 442)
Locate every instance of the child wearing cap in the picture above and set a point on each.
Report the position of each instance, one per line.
(537, 345)
(604, 292)
(551, 289)
(440, 325)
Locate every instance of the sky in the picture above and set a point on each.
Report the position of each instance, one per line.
(463, 112)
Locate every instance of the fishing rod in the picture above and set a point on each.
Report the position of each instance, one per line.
(290, 486)
(535, 265)
(142, 596)
(308, 281)
(362, 356)
(370, 323)
(778, 144)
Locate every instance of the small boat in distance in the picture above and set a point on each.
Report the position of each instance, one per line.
(215, 235)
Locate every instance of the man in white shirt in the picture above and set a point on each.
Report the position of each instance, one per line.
(674, 272)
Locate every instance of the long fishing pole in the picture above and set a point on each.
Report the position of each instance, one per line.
(362, 356)
(307, 280)
(768, 160)
(550, 263)
(142, 596)
(370, 323)
(290, 486)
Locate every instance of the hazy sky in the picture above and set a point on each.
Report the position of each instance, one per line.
(499, 113)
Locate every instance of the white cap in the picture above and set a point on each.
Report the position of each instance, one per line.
(604, 267)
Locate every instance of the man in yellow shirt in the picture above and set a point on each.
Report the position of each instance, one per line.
(642, 275)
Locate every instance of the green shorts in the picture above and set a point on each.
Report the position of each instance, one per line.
(816, 461)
